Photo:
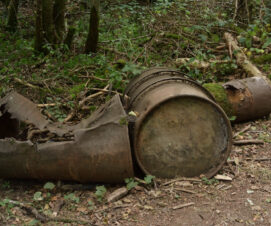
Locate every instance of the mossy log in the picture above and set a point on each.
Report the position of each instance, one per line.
(93, 34)
(12, 15)
(221, 97)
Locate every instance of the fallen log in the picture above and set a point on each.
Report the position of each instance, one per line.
(242, 59)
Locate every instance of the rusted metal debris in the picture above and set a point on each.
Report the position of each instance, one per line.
(99, 151)
(175, 127)
(249, 98)
(180, 130)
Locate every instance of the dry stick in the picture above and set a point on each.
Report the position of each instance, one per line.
(181, 179)
(82, 102)
(183, 205)
(235, 10)
(242, 131)
(46, 105)
(185, 190)
(35, 213)
(26, 83)
(93, 77)
(245, 142)
(259, 160)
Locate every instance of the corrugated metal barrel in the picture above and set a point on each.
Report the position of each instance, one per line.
(179, 129)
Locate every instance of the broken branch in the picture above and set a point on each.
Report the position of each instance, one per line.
(181, 179)
(241, 58)
(245, 142)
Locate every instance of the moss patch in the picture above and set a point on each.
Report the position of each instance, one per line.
(220, 96)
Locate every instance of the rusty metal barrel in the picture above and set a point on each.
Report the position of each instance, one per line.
(179, 129)
(249, 98)
(98, 152)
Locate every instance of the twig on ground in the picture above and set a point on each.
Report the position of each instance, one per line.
(43, 218)
(26, 83)
(242, 131)
(183, 205)
(70, 116)
(82, 102)
(185, 190)
(181, 179)
(46, 105)
(259, 159)
(246, 142)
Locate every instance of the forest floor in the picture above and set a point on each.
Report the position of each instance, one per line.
(246, 200)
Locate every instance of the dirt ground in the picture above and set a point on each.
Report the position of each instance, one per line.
(246, 200)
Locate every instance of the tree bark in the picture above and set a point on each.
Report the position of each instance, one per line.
(48, 21)
(93, 34)
(69, 38)
(39, 37)
(59, 18)
(12, 15)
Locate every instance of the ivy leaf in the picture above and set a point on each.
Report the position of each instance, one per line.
(38, 196)
(148, 179)
(49, 186)
(267, 43)
(232, 118)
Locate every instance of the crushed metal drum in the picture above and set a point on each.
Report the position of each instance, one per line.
(179, 129)
(249, 98)
(99, 152)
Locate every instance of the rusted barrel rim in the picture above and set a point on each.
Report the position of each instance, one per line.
(214, 169)
(148, 72)
(164, 81)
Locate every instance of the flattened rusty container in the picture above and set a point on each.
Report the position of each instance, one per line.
(99, 152)
(250, 98)
(179, 130)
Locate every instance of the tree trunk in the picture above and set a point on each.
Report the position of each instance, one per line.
(59, 18)
(48, 21)
(12, 15)
(69, 38)
(93, 34)
(39, 37)
(243, 11)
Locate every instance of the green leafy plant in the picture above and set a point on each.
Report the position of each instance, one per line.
(72, 197)
(100, 193)
(91, 205)
(149, 179)
(5, 184)
(207, 181)
(130, 183)
(38, 196)
(49, 186)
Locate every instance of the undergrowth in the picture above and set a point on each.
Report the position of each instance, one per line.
(132, 37)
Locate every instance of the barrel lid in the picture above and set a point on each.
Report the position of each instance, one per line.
(183, 136)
